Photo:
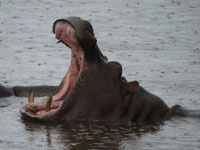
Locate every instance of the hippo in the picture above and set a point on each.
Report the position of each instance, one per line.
(5, 91)
(93, 87)
(23, 91)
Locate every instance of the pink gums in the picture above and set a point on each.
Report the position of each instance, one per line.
(77, 61)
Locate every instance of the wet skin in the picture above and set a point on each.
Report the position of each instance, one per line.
(5, 92)
(93, 88)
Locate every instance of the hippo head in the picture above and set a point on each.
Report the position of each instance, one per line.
(90, 90)
(81, 33)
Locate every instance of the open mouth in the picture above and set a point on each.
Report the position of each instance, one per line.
(66, 34)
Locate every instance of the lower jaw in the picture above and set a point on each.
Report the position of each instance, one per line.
(55, 104)
(74, 72)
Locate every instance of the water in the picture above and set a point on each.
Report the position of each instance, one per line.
(157, 43)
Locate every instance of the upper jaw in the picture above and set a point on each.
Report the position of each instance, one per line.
(66, 34)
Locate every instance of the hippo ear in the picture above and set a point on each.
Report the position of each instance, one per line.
(116, 69)
(133, 86)
(127, 87)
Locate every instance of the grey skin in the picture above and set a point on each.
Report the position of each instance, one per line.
(101, 93)
(5, 91)
(39, 91)
(23, 91)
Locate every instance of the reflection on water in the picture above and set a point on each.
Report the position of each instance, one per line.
(78, 135)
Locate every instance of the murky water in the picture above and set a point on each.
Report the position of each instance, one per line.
(178, 133)
(156, 41)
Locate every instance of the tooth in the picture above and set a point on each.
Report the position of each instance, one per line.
(31, 97)
(59, 41)
(32, 109)
(48, 106)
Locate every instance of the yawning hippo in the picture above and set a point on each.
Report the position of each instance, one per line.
(93, 88)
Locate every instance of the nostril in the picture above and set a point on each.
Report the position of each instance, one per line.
(60, 33)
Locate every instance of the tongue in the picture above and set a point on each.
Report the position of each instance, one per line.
(64, 89)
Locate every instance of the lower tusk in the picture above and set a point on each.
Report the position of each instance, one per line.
(48, 106)
(31, 97)
(32, 109)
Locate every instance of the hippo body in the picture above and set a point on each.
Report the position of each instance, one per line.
(97, 103)
(5, 91)
(39, 91)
